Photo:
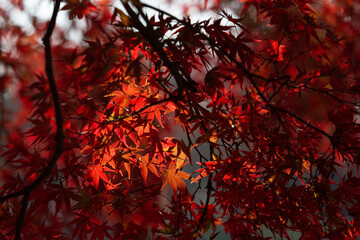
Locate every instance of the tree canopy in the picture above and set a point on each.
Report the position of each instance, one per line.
(127, 122)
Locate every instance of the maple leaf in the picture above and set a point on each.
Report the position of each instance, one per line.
(265, 98)
(97, 173)
(278, 50)
(84, 199)
(145, 165)
(174, 177)
(100, 231)
(79, 8)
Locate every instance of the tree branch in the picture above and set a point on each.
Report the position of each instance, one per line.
(11, 195)
(138, 111)
(59, 125)
(246, 72)
(150, 35)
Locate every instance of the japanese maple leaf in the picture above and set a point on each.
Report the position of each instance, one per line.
(174, 177)
(97, 173)
(277, 50)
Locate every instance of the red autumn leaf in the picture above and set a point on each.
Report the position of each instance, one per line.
(79, 8)
(263, 96)
(277, 50)
(97, 173)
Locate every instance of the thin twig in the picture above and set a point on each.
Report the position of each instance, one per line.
(150, 35)
(246, 72)
(138, 111)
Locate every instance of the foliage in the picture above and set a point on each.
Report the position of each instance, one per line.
(167, 128)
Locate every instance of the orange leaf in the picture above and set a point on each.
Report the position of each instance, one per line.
(127, 168)
(174, 178)
(97, 173)
(158, 117)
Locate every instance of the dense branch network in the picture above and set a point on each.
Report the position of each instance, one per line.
(175, 127)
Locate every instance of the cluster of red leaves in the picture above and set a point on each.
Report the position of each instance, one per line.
(250, 119)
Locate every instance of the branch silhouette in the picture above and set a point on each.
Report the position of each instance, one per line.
(27, 191)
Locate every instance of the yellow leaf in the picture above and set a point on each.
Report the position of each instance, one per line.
(179, 154)
(210, 135)
(124, 18)
(305, 165)
(180, 160)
